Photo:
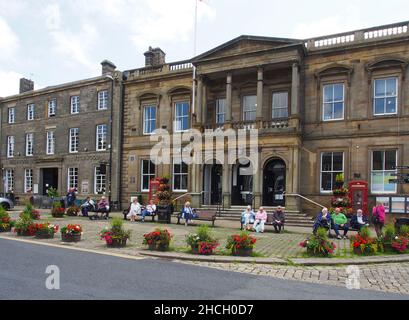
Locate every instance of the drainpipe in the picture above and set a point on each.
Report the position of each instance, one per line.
(110, 137)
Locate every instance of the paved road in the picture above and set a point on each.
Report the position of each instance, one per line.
(93, 276)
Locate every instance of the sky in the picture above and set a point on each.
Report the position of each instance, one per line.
(53, 42)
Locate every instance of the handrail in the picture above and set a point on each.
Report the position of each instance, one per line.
(183, 195)
(302, 197)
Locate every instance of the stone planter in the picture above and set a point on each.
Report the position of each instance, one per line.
(24, 233)
(117, 243)
(66, 237)
(57, 214)
(44, 235)
(312, 253)
(154, 247)
(243, 252)
(366, 252)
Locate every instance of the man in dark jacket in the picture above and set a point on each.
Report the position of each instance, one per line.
(278, 219)
(323, 220)
(359, 221)
(71, 197)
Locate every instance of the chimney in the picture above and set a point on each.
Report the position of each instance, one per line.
(108, 67)
(26, 85)
(154, 57)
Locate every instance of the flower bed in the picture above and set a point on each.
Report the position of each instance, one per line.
(318, 245)
(73, 211)
(71, 233)
(400, 244)
(364, 244)
(57, 211)
(5, 221)
(25, 227)
(45, 230)
(158, 240)
(202, 242)
(115, 236)
(241, 244)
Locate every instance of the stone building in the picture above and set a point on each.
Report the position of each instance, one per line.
(63, 136)
(327, 106)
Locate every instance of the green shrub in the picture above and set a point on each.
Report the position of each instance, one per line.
(389, 233)
(404, 231)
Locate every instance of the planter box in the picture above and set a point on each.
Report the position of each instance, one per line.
(117, 243)
(243, 252)
(42, 235)
(70, 238)
(367, 252)
(24, 234)
(162, 248)
(319, 254)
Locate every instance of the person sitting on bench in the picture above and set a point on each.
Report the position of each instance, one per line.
(261, 218)
(187, 213)
(340, 221)
(149, 210)
(134, 210)
(359, 221)
(247, 217)
(87, 206)
(323, 220)
(103, 207)
(278, 219)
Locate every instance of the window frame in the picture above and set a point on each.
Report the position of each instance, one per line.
(29, 154)
(176, 117)
(332, 171)
(174, 174)
(105, 140)
(333, 102)
(287, 108)
(103, 178)
(75, 104)
(149, 174)
(245, 111)
(218, 113)
(383, 171)
(50, 142)
(26, 188)
(52, 105)
(385, 97)
(32, 112)
(11, 115)
(144, 120)
(10, 146)
(9, 177)
(72, 176)
(71, 140)
(103, 101)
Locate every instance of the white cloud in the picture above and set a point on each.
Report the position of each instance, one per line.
(9, 41)
(9, 83)
(52, 17)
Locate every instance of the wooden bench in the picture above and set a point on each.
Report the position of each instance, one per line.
(202, 216)
(126, 211)
(332, 228)
(269, 222)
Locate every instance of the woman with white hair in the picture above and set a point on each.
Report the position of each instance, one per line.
(187, 213)
(247, 217)
(323, 220)
(359, 221)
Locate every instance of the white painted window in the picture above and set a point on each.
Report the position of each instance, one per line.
(75, 104)
(30, 112)
(99, 182)
(249, 108)
(101, 143)
(10, 146)
(383, 169)
(334, 102)
(220, 111)
(9, 180)
(181, 116)
(28, 180)
(50, 147)
(385, 96)
(12, 115)
(280, 105)
(332, 164)
(72, 178)
(29, 144)
(103, 100)
(52, 107)
(74, 140)
(147, 174)
(149, 119)
(180, 175)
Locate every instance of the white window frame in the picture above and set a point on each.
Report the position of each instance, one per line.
(101, 131)
(52, 108)
(150, 175)
(383, 171)
(332, 171)
(99, 180)
(385, 97)
(149, 120)
(103, 100)
(9, 180)
(12, 115)
(73, 144)
(333, 102)
(75, 104)
(50, 142)
(29, 144)
(10, 146)
(249, 109)
(28, 180)
(174, 174)
(72, 178)
(221, 114)
(279, 107)
(178, 118)
(30, 111)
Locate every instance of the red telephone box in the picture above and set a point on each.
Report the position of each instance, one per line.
(153, 189)
(358, 193)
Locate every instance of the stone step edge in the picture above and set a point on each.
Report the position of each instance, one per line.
(349, 261)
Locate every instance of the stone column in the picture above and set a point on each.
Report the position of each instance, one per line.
(294, 203)
(204, 102)
(226, 182)
(199, 100)
(260, 85)
(295, 87)
(229, 98)
(194, 189)
(257, 182)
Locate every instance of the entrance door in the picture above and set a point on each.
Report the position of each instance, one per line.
(274, 183)
(212, 184)
(50, 179)
(242, 185)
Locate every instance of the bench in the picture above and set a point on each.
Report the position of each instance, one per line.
(126, 211)
(332, 228)
(202, 216)
(269, 222)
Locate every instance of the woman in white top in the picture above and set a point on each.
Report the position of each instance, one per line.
(134, 210)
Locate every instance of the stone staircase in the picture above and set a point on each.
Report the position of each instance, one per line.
(293, 218)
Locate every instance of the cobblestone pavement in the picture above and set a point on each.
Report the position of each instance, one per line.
(388, 277)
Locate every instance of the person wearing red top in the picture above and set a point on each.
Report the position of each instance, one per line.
(378, 216)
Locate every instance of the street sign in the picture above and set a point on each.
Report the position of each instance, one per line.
(399, 181)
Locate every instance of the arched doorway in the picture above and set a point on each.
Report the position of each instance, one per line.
(212, 184)
(242, 185)
(274, 180)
